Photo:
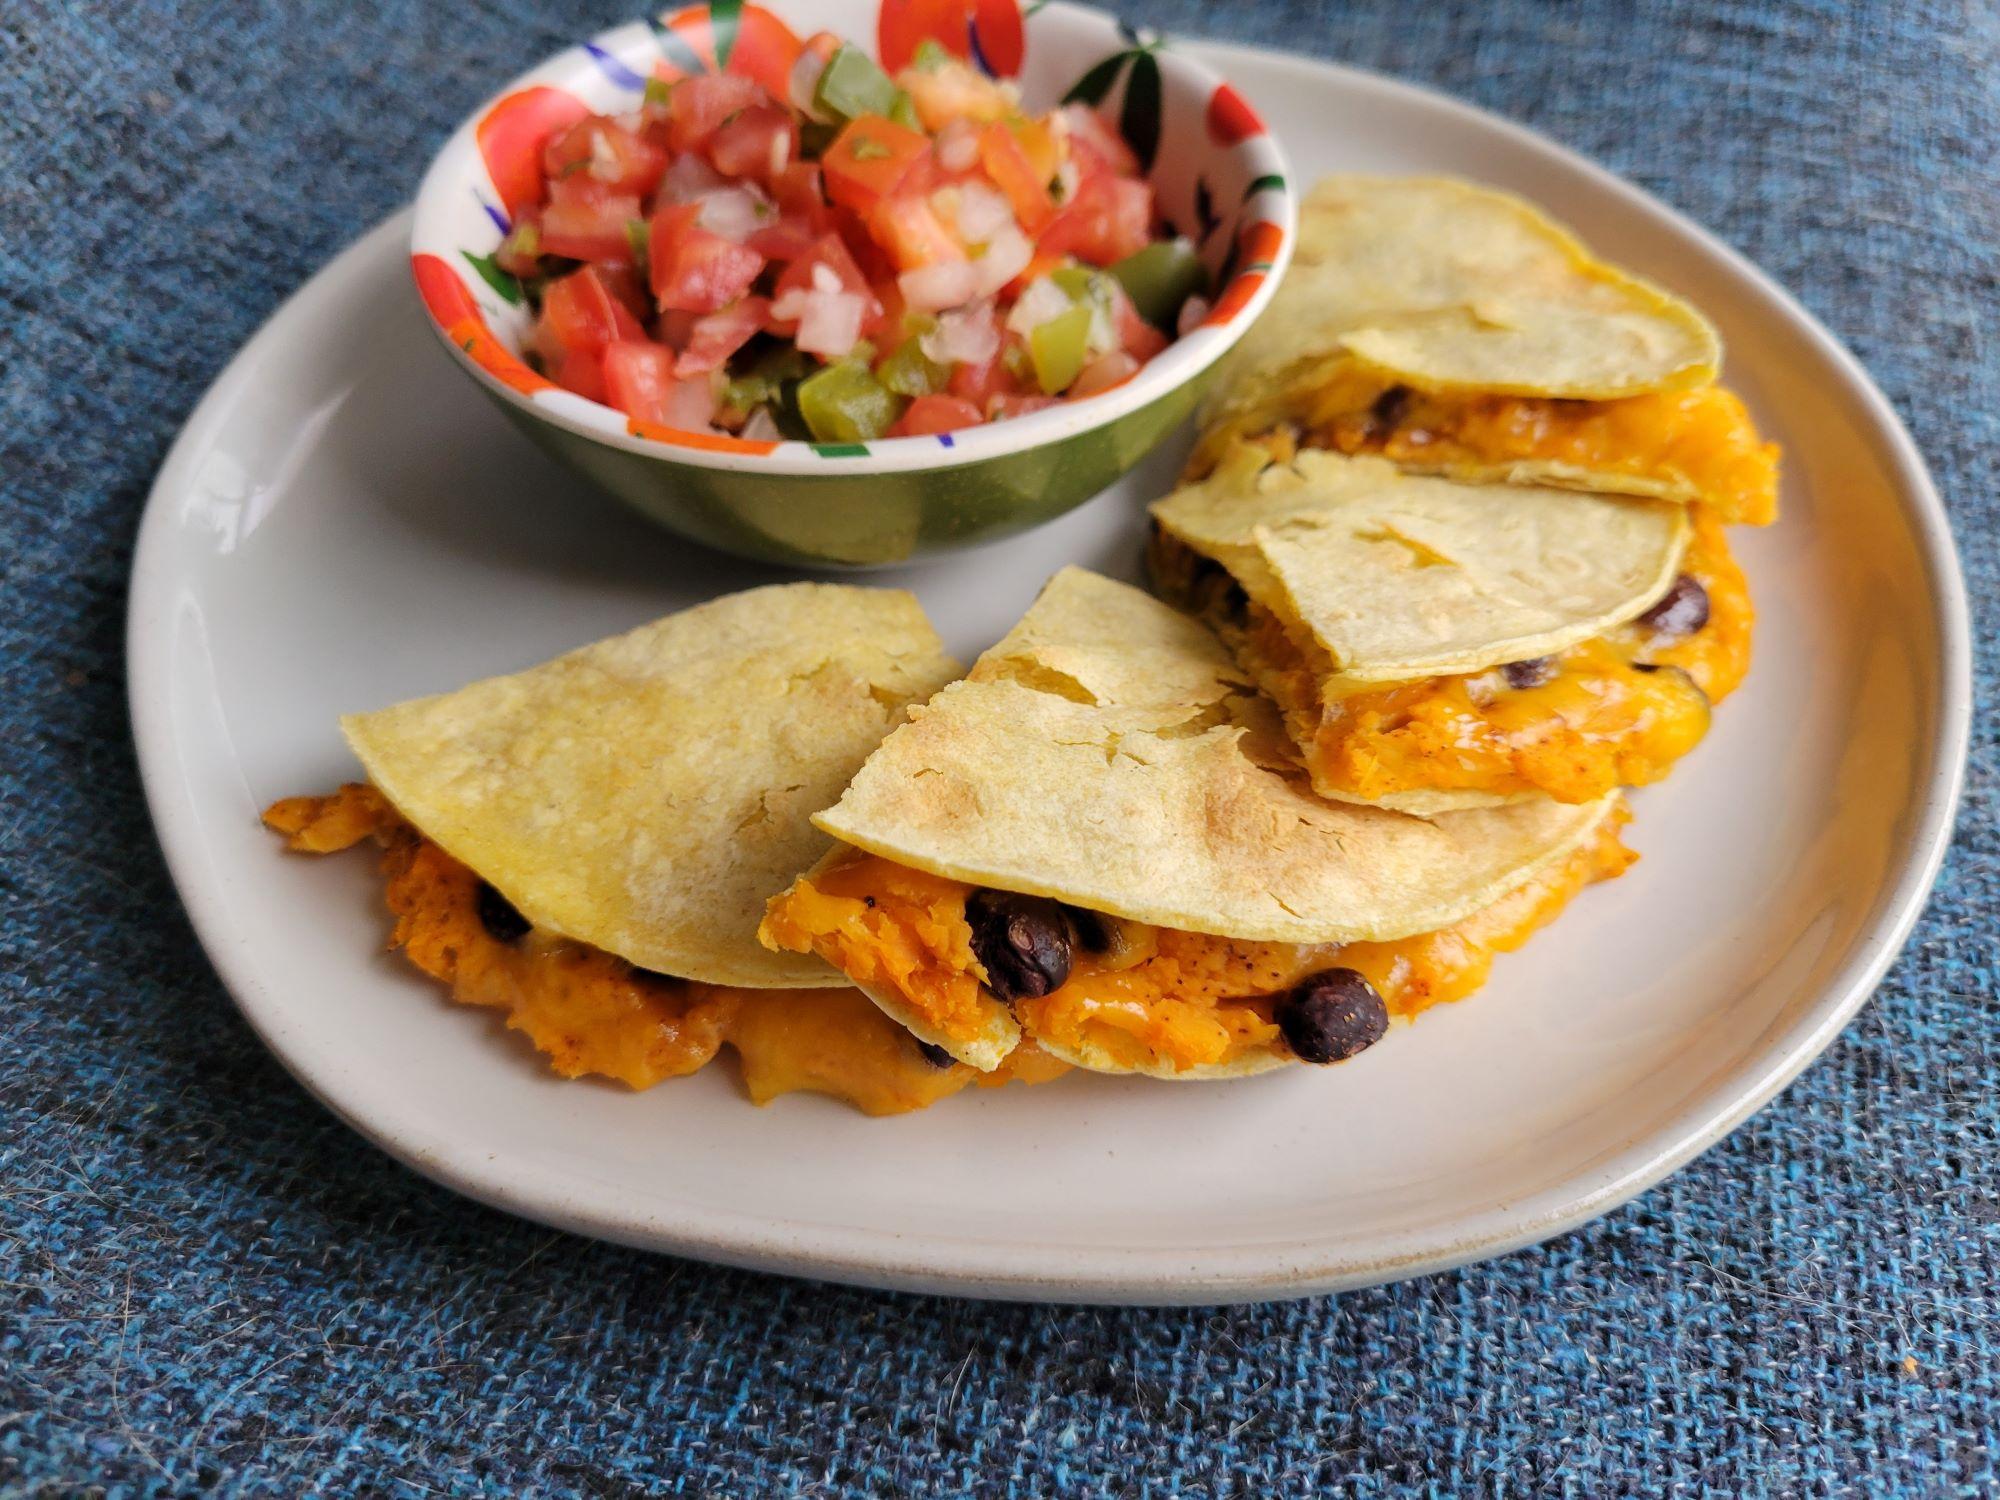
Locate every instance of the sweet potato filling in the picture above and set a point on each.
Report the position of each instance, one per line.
(1702, 442)
(592, 1013)
(1158, 996)
(1617, 710)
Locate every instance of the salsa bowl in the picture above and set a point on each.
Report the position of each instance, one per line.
(1218, 176)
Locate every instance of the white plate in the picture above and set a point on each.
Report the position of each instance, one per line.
(346, 522)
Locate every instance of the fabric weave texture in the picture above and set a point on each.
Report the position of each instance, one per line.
(207, 1285)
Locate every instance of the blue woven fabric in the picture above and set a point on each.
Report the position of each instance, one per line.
(207, 1285)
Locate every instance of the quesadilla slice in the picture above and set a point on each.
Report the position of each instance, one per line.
(1102, 844)
(1434, 645)
(587, 845)
(1456, 330)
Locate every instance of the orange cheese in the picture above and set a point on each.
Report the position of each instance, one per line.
(1183, 998)
(589, 1012)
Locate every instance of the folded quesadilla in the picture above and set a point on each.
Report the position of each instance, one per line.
(587, 845)
(1435, 645)
(1456, 330)
(1100, 843)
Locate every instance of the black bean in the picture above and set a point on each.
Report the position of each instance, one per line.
(1023, 942)
(935, 1055)
(1092, 929)
(1681, 610)
(1531, 673)
(1390, 408)
(1330, 1016)
(497, 915)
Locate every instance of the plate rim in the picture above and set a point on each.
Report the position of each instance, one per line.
(945, 1263)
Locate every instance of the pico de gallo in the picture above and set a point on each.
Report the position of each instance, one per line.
(867, 257)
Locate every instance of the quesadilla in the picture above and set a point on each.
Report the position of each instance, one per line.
(1456, 330)
(1434, 645)
(1100, 843)
(587, 845)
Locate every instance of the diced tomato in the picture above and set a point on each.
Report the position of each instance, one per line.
(758, 143)
(785, 239)
(694, 269)
(1006, 162)
(1136, 336)
(1091, 135)
(1110, 218)
(831, 251)
(582, 373)
(586, 219)
(581, 313)
(639, 379)
(800, 194)
(910, 230)
(720, 334)
(870, 159)
(885, 328)
(929, 415)
(606, 151)
(983, 383)
(702, 103)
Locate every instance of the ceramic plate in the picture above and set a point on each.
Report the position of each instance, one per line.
(346, 522)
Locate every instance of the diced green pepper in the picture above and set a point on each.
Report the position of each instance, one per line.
(1015, 361)
(852, 85)
(523, 243)
(639, 236)
(930, 56)
(903, 110)
(1075, 280)
(766, 378)
(845, 403)
(659, 91)
(1160, 278)
(908, 371)
(1060, 348)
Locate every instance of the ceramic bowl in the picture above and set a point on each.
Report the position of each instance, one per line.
(1217, 174)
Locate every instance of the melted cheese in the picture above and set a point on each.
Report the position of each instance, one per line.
(1698, 444)
(1184, 999)
(589, 1012)
(1602, 720)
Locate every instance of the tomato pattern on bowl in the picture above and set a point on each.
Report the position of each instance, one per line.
(728, 236)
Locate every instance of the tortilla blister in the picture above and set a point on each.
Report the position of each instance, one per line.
(1111, 754)
(646, 793)
(1384, 576)
(1447, 286)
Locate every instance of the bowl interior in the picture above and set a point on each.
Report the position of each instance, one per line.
(1218, 178)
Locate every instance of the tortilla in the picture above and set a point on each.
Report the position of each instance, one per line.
(1379, 576)
(645, 794)
(1110, 753)
(1446, 286)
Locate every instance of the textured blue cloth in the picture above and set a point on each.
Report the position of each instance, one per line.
(208, 1285)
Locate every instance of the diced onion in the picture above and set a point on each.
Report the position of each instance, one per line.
(763, 427)
(1007, 256)
(964, 336)
(958, 146)
(803, 86)
(691, 404)
(1040, 301)
(734, 212)
(982, 212)
(949, 283)
(829, 318)
(1103, 373)
(1193, 312)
